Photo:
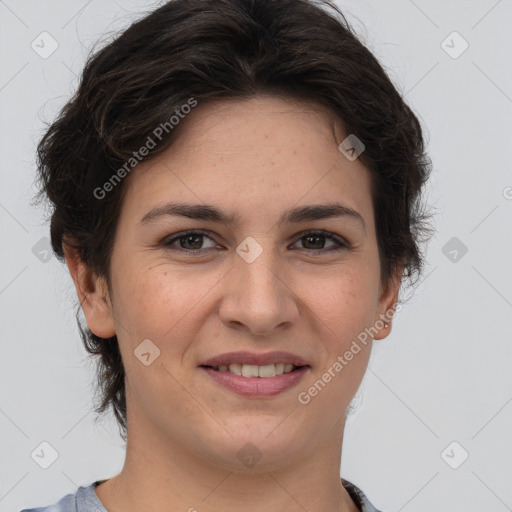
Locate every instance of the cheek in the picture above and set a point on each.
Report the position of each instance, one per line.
(343, 300)
(150, 301)
(343, 308)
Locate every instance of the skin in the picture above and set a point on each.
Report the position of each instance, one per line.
(257, 158)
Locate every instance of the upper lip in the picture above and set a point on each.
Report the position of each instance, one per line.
(245, 357)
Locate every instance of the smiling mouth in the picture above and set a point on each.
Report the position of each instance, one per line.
(252, 370)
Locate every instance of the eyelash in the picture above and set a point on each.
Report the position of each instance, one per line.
(341, 244)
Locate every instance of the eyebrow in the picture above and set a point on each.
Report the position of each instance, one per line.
(208, 212)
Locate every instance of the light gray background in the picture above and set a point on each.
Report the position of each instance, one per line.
(444, 373)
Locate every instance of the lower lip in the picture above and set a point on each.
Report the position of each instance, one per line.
(257, 386)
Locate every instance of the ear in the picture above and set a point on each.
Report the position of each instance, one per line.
(388, 301)
(93, 294)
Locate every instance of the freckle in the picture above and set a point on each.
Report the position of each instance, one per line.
(266, 135)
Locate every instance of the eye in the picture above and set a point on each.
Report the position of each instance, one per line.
(317, 240)
(189, 241)
(192, 242)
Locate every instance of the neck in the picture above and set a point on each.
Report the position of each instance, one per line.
(162, 476)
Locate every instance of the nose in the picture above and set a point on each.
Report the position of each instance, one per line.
(258, 296)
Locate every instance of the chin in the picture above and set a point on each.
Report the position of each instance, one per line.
(256, 447)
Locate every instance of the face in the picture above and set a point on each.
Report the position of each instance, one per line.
(306, 284)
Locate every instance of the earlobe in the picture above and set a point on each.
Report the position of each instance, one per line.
(92, 293)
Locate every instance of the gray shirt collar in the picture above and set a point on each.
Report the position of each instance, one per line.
(88, 501)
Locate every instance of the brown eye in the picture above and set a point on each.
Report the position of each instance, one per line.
(190, 241)
(315, 241)
(312, 241)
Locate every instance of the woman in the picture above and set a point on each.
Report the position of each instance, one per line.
(236, 189)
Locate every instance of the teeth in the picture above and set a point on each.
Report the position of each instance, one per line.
(250, 370)
(253, 370)
(235, 368)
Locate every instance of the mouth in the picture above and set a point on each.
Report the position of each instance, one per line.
(256, 371)
(256, 375)
(253, 381)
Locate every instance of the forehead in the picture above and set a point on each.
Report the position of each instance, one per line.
(262, 155)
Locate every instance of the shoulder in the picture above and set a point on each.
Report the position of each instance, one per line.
(83, 500)
(359, 497)
(65, 504)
